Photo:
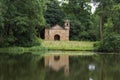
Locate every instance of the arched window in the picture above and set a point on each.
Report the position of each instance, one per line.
(56, 37)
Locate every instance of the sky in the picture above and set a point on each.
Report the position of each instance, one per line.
(93, 7)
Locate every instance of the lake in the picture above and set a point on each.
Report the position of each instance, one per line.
(60, 65)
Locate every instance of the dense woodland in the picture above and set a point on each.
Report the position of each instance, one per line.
(22, 20)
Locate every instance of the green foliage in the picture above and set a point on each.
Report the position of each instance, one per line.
(116, 18)
(79, 14)
(78, 31)
(54, 13)
(18, 20)
(111, 43)
(109, 11)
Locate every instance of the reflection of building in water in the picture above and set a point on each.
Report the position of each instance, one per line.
(58, 62)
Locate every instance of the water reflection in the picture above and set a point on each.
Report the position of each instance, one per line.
(57, 62)
(59, 67)
(91, 67)
(90, 78)
(81, 67)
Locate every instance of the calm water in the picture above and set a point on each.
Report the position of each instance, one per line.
(60, 66)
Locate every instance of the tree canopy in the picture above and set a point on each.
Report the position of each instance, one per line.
(79, 13)
(109, 11)
(18, 20)
(54, 13)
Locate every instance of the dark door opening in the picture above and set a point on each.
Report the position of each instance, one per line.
(56, 37)
(56, 58)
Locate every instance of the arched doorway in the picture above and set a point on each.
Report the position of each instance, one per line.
(56, 58)
(56, 37)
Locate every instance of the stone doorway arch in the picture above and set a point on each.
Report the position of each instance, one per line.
(57, 37)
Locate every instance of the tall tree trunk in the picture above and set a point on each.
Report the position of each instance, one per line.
(101, 29)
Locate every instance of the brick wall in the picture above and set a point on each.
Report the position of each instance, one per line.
(63, 33)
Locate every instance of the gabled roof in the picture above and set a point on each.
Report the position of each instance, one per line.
(57, 27)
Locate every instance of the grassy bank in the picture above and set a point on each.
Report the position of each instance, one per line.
(52, 45)
(70, 53)
(19, 50)
(69, 45)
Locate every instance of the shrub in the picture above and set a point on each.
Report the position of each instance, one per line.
(111, 43)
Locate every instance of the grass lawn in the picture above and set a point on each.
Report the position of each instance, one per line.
(52, 45)
(20, 50)
(69, 45)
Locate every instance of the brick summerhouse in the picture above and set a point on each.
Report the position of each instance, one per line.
(58, 33)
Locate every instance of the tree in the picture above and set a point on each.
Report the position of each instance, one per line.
(94, 27)
(103, 11)
(19, 20)
(111, 33)
(79, 13)
(115, 16)
(54, 13)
